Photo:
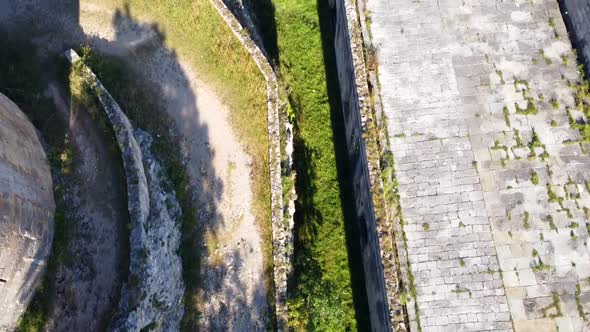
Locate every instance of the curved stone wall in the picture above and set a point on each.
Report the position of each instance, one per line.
(26, 212)
(151, 299)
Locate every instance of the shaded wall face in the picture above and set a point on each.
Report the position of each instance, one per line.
(576, 14)
(26, 212)
(372, 266)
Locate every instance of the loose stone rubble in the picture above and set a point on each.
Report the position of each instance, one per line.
(156, 299)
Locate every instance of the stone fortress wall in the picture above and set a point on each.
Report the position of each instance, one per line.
(26, 212)
(375, 224)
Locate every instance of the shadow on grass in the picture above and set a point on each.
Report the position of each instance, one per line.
(308, 218)
(351, 222)
(266, 25)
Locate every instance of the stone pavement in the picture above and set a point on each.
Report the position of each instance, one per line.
(494, 182)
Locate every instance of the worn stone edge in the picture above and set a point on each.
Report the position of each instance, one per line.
(389, 226)
(137, 192)
(138, 201)
(138, 196)
(279, 227)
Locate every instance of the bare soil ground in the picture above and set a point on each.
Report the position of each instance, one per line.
(87, 285)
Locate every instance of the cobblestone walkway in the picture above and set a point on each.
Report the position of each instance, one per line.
(493, 180)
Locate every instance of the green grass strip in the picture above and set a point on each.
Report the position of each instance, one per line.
(320, 293)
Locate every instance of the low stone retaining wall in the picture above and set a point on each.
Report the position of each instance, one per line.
(137, 190)
(281, 228)
(152, 296)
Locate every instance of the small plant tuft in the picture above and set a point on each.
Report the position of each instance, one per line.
(547, 60)
(539, 266)
(531, 108)
(534, 178)
(565, 59)
(526, 224)
(579, 302)
(506, 113)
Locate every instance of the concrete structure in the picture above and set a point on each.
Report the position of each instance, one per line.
(26, 212)
(493, 181)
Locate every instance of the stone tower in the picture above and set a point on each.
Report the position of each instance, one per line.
(26, 212)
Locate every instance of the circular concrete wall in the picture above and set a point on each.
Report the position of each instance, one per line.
(26, 212)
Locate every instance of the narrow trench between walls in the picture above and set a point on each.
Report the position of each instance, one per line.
(293, 109)
(375, 192)
(283, 30)
(387, 298)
